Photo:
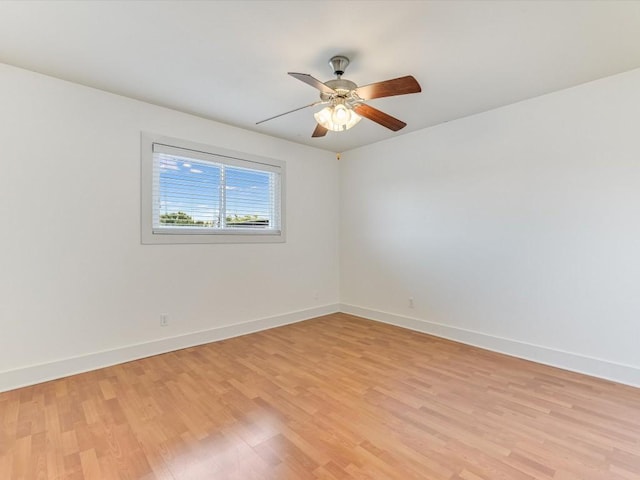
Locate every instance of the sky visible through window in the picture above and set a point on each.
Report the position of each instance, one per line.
(194, 187)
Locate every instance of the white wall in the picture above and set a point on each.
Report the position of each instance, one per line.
(75, 280)
(517, 229)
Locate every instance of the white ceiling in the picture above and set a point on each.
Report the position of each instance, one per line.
(228, 60)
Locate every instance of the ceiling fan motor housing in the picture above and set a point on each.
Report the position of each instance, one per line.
(340, 85)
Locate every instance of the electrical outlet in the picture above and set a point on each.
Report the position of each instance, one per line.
(164, 319)
(411, 304)
(316, 295)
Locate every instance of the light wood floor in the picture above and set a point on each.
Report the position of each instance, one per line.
(336, 397)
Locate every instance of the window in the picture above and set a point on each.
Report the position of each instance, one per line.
(199, 194)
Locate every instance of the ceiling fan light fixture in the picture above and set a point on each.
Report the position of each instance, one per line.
(340, 115)
(337, 118)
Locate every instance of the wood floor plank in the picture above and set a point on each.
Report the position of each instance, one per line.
(334, 398)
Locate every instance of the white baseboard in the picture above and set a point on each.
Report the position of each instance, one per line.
(33, 374)
(21, 377)
(617, 372)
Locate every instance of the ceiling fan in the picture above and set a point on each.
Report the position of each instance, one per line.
(346, 101)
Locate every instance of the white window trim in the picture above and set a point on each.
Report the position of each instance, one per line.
(197, 235)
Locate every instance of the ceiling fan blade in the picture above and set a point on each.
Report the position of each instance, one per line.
(389, 88)
(314, 82)
(291, 111)
(320, 131)
(379, 117)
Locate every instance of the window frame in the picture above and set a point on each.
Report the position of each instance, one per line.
(185, 235)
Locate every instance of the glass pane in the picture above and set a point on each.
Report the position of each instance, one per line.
(249, 196)
(189, 193)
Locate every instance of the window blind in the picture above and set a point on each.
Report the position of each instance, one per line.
(200, 192)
